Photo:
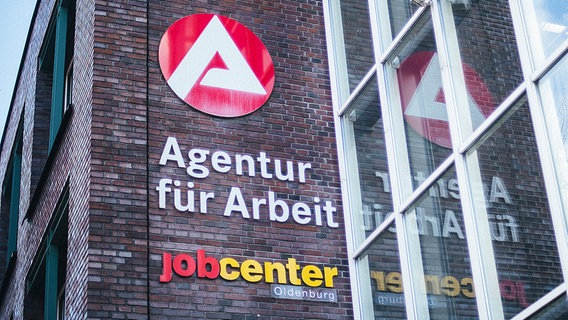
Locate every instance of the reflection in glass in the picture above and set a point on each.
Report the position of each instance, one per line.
(422, 102)
(554, 94)
(382, 265)
(364, 131)
(489, 54)
(546, 26)
(524, 244)
(358, 40)
(400, 12)
(556, 310)
(445, 258)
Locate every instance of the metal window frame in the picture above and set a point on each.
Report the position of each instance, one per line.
(465, 140)
(340, 93)
(535, 67)
(386, 49)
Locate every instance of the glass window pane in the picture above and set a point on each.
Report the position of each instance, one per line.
(524, 244)
(554, 94)
(400, 12)
(554, 97)
(370, 190)
(358, 40)
(423, 105)
(445, 258)
(382, 264)
(489, 54)
(546, 26)
(556, 310)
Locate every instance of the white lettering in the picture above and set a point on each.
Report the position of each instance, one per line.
(503, 227)
(289, 176)
(195, 168)
(301, 213)
(190, 206)
(183, 197)
(221, 161)
(302, 167)
(273, 204)
(164, 187)
(264, 161)
(498, 190)
(236, 202)
(239, 159)
(450, 188)
(451, 225)
(279, 210)
(172, 146)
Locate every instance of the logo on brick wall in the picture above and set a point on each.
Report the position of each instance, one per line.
(216, 65)
(423, 101)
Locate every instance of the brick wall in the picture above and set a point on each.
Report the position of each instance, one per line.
(123, 112)
(118, 213)
(68, 163)
(134, 112)
(296, 124)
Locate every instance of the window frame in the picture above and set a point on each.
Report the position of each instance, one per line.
(465, 138)
(50, 258)
(56, 55)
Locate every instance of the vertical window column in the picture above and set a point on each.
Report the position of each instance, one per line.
(461, 125)
(543, 44)
(57, 94)
(14, 199)
(45, 298)
(11, 200)
(55, 69)
(62, 66)
(392, 45)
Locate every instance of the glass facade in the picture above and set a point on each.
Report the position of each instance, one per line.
(452, 128)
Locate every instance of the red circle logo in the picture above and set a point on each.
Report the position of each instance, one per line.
(423, 101)
(216, 65)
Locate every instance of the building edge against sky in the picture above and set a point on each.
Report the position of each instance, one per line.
(288, 159)
(16, 19)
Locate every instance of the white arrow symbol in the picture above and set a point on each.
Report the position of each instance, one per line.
(424, 103)
(214, 40)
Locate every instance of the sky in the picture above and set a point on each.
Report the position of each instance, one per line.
(15, 16)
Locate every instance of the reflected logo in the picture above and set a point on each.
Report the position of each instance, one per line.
(424, 102)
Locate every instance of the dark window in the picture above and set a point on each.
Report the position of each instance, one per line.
(45, 298)
(53, 83)
(10, 209)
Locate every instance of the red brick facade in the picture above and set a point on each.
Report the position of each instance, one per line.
(109, 154)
